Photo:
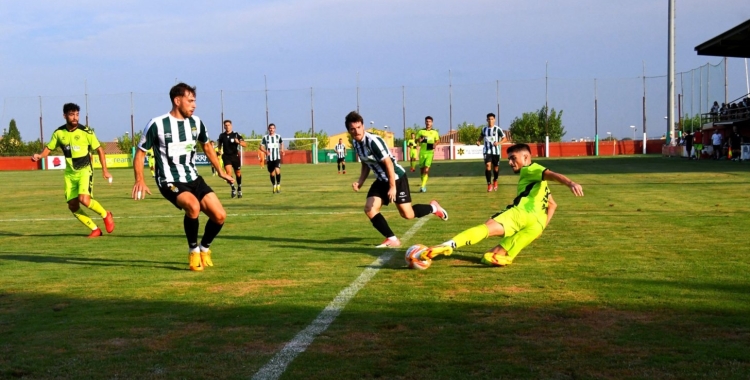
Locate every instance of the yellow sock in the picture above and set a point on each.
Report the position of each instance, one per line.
(471, 236)
(424, 180)
(83, 218)
(97, 208)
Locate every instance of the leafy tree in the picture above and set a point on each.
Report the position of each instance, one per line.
(691, 124)
(413, 129)
(531, 127)
(468, 133)
(11, 142)
(126, 143)
(322, 137)
(252, 145)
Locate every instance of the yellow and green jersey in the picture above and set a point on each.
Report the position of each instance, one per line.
(76, 145)
(412, 145)
(428, 144)
(532, 192)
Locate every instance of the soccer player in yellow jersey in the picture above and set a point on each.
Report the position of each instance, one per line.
(77, 143)
(429, 138)
(150, 157)
(413, 147)
(520, 223)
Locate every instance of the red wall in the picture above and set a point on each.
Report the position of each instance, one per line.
(19, 163)
(606, 148)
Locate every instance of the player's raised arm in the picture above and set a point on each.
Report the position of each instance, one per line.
(563, 180)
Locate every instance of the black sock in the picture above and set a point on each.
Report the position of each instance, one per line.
(273, 180)
(343, 166)
(191, 231)
(488, 175)
(239, 182)
(278, 178)
(339, 166)
(422, 210)
(380, 224)
(495, 174)
(212, 229)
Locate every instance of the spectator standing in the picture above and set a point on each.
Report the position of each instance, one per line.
(716, 143)
(689, 145)
(698, 144)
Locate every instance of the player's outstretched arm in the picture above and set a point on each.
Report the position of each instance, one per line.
(563, 180)
(208, 149)
(139, 188)
(38, 156)
(362, 177)
(103, 161)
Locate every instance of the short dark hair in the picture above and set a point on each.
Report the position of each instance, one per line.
(271, 125)
(180, 89)
(428, 118)
(518, 148)
(227, 121)
(352, 117)
(491, 114)
(71, 107)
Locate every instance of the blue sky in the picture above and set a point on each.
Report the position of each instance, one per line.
(57, 50)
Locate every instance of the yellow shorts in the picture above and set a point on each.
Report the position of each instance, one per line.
(521, 228)
(425, 160)
(81, 182)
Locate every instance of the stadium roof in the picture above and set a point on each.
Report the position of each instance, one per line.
(734, 42)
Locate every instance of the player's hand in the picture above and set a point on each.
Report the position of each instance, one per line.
(479, 143)
(392, 193)
(494, 143)
(36, 157)
(355, 186)
(576, 189)
(107, 176)
(140, 190)
(226, 177)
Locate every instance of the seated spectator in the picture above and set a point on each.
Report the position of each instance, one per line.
(723, 111)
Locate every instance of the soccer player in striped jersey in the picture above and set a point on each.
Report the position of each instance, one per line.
(341, 153)
(272, 147)
(229, 143)
(77, 143)
(173, 137)
(492, 136)
(521, 222)
(390, 185)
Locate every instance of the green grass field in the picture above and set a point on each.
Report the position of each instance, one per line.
(646, 277)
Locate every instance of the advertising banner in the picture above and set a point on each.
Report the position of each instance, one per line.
(114, 161)
(55, 162)
(468, 152)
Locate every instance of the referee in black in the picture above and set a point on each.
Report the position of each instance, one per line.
(228, 148)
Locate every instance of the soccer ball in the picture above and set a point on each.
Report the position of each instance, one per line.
(413, 261)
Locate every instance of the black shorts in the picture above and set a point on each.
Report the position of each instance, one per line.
(231, 160)
(380, 189)
(494, 158)
(340, 160)
(272, 165)
(198, 188)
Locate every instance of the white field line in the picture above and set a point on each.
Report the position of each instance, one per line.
(180, 215)
(276, 366)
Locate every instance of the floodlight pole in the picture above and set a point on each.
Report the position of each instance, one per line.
(670, 76)
(645, 138)
(265, 81)
(596, 121)
(546, 109)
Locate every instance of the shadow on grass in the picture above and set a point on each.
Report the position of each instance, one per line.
(42, 258)
(60, 336)
(594, 165)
